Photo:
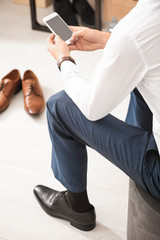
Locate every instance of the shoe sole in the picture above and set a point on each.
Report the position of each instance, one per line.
(82, 227)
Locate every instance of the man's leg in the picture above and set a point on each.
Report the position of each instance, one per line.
(122, 144)
(140, 115)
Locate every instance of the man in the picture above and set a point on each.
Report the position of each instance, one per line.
(79, 116)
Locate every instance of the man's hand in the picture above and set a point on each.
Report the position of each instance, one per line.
(86, 39)
(57, 47)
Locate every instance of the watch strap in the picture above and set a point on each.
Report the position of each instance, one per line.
(66, 58)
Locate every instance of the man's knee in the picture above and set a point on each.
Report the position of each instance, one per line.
(57, 103)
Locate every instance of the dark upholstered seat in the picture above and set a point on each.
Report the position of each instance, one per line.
(143, 215)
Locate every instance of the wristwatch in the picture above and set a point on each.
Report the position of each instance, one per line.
(66, 58)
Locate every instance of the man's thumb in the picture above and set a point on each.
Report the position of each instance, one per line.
(75, 35)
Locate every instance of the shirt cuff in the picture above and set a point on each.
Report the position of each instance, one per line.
(67, 67)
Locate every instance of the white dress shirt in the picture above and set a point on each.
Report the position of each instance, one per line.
(131, 58)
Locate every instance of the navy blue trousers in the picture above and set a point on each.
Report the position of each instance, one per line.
(129, 145)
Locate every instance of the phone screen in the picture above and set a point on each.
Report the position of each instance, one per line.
(60, 28)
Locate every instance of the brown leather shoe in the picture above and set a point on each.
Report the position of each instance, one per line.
(34, 102)
(9, 85)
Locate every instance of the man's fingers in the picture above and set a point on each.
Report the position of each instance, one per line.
(74, 28)
(76, 35)
(72, 47)
(57, 38)
(51, 39)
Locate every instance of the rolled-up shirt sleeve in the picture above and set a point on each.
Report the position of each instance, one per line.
(119, 71)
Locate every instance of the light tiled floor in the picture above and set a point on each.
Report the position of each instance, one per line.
(25, 148)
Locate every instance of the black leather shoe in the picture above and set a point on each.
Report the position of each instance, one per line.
(85, 11)
(65, 10)
(54, 203)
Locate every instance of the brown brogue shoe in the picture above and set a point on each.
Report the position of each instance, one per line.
(34, 102)
(9, 85)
